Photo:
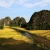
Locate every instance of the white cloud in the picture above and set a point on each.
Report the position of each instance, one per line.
(38, 3)
(26, 3)
(33, 3)
(20, 1)
(6, 3)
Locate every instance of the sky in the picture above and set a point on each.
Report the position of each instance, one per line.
(22, 8)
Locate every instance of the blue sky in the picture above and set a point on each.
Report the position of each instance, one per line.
(22, 8)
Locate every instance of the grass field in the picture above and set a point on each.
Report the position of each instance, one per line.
(11, 39)
(7, 32)
(10, 33)
(43, 33)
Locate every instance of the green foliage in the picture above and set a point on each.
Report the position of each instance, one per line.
(1, 24)
(1, 27)
(7, 21)
(22, 22)
(40, 20)
(18, 22)
(15, 21)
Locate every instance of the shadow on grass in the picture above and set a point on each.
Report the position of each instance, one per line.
(24, 33)
(11, 44)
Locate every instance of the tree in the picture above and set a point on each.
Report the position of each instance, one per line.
(1, 23)
(7, 21)
(11, 23)
(22, 22)
(16, 21)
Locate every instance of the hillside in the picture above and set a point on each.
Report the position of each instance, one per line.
(40, 20)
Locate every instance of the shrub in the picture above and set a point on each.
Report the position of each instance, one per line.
(1, 27)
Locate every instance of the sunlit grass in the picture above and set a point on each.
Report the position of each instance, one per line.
(7, 32)
(10, 33)
(43, 33)
(11, 39)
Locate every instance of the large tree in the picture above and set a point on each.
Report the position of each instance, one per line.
(16, 21)
(22, 22)
(7, 20)
(1, 23)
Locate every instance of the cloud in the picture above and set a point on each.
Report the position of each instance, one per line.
(38, 3)
(9, 3)
(6, 3)
(33, 3)
(26, 3)
(20, 1)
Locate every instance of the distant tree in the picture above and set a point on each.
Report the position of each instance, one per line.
(16, 21)
(1, 23)
(7, 20)
(22, 22)
(11, 23)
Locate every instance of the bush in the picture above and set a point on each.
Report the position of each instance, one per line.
(28, 28)
(1, 27)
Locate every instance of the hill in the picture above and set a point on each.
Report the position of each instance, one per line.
(40, 20)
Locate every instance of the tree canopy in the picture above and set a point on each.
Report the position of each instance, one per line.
(18, 22)
(7, 20)
(22, 21)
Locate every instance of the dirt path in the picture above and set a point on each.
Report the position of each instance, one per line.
(41, 40)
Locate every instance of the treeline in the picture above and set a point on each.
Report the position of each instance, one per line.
(15, 22)
(38, 21)
(4, 22)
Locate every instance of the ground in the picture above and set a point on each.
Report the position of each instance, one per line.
(11, 39)
(43, 33)
(7, 32)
